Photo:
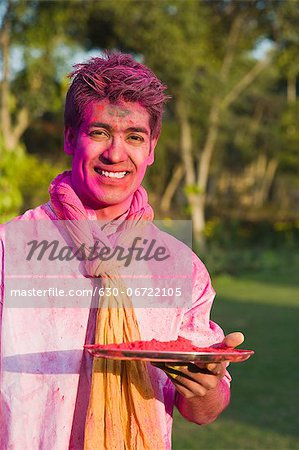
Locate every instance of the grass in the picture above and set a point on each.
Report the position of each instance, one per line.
(263, 413)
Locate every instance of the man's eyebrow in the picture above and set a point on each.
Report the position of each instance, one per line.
(138, 130)
(100, 125)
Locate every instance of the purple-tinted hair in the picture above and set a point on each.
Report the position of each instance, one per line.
(114, 76)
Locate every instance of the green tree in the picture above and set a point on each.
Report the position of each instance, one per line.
(202, 50)
(31, 87)
(35, 86)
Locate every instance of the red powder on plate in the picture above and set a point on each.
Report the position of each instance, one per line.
(180, 345)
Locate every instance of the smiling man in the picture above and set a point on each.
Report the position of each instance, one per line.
(53, 394)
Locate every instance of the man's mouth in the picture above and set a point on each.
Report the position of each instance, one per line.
(111, 174)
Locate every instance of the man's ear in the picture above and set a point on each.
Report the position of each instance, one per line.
(151, 156)
(69, 140)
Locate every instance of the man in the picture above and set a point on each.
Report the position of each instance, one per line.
(53, 395)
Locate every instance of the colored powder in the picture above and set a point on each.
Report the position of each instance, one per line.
(180, 345)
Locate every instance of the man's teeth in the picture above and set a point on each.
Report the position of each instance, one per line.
(111, 174)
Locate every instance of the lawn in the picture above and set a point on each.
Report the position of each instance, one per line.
(263, 413)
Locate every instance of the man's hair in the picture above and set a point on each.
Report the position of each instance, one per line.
(115, 76)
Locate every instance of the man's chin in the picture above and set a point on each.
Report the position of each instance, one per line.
(110, 201)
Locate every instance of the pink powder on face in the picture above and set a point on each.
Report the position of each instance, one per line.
(110, 147)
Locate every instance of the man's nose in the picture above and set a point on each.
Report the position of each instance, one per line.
(115, 151)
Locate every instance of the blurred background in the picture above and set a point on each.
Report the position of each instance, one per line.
(227, 159)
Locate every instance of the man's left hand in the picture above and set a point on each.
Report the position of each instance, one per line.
(197, 379)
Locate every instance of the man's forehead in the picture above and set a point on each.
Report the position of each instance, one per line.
(115, 110)
(118, 110)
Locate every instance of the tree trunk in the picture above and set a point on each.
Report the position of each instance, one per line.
(208, 149)
(197, 203)
(11, 133)
(291, 89)
(195, 199)
(203, 172)
(265, 173)
(212, 131)
(171, 188)
(186, 141)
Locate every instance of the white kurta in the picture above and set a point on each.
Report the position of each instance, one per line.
(45, 373)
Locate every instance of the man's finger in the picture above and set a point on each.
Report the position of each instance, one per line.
(232, 340)
(214, 368)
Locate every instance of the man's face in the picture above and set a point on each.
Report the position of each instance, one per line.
(111, 151)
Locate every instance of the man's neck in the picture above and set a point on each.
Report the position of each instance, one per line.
(112, 212)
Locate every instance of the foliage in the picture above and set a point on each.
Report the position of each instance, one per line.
(36, 58)
(10, 197)
(237, 247)
(24, 181)
(186, 44)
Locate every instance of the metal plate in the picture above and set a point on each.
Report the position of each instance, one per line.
(163, 356)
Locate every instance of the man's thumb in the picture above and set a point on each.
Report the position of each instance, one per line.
(233, 339)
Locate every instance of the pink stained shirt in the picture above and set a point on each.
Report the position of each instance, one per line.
(45, 374)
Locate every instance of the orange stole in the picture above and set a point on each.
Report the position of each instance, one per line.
(122, 411)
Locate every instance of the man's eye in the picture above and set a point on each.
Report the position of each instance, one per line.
(99, 133)
(136, 137)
